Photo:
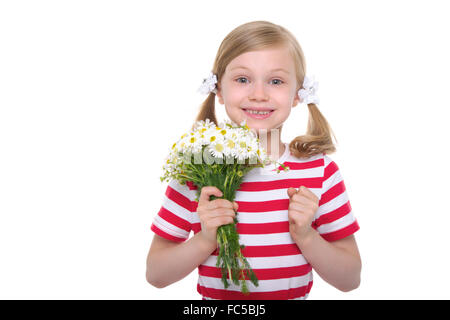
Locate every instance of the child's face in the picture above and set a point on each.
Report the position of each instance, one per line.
(251, 82)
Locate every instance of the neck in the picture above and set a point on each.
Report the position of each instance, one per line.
(271, 142)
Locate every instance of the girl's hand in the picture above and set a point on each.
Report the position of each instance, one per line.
(303, 204)
(213, 214)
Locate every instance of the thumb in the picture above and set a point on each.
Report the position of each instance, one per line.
(291, 191)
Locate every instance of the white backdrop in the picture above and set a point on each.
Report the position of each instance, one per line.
(93, 94)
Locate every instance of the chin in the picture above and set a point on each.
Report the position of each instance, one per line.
(257, 124)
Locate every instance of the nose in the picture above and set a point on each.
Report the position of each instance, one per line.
(258, 92)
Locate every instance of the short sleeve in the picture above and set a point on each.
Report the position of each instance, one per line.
(174, 219)
(334, 218)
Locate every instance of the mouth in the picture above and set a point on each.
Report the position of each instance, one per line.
(260, 113)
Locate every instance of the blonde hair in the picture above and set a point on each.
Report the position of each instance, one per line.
(259, 35)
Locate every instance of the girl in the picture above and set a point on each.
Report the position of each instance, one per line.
(290, 222)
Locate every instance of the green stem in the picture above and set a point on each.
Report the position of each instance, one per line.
(228, 181)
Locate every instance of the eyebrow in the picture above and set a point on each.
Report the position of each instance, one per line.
(277, 69)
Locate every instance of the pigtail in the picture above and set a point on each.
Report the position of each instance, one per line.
(318, 137)
(207, 109)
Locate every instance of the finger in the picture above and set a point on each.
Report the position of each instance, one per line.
(219, 203)
(291, 191)
(308, 210)
(294, 216)
(219, 221)
(208, 191)
(221, 212)
(307, 193)
(301, 199)
(294, 206)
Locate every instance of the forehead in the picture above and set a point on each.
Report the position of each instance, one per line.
(265, 59)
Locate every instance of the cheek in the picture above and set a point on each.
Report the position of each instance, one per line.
(283, 95)
(234, 114)
(234, 98)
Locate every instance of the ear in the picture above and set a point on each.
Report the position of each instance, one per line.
(296, 100)
(219, 94)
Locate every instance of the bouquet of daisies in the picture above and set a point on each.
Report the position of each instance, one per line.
(219, 156)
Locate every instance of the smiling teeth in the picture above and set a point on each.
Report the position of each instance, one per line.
(258, 112)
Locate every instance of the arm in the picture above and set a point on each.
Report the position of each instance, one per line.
(169, 261)
(338, 262)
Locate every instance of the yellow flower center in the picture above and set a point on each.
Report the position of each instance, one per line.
(219, 147)
(230, 144)
(223, 131)
(192, 140)
(213, 138)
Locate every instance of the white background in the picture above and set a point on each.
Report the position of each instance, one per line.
(93, 94)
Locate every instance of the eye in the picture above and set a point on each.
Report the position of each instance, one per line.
(238, 79)
(279, 81)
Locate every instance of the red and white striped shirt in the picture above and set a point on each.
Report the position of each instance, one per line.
(263, 227)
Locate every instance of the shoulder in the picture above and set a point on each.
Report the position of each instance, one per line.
(321, 160)
(310, 168)
(332, 177)
(181, 192)
(321, 163)
(322, 166)
(183, 188)
(330, 166)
